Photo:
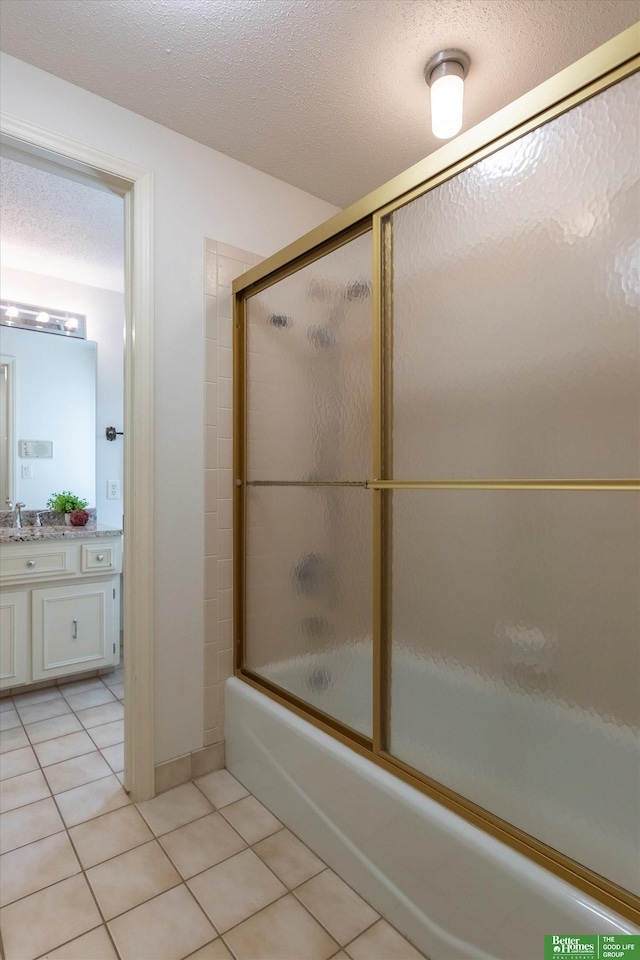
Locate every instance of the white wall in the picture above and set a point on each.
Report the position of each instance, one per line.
(104, 310)
(199, 193)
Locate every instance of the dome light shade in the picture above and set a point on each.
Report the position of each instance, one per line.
(445, 75)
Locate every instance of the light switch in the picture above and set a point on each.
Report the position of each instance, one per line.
(27, 471)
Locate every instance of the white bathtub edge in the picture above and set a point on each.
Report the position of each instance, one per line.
(463, 894)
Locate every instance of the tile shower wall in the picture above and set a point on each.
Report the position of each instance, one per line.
(222, 264)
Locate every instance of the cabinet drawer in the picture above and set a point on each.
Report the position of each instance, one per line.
(96, 557)
(35, 563)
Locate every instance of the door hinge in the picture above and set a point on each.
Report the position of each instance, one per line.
(114, 648)
(114, 593)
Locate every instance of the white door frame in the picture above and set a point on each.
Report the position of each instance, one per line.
(135, 184)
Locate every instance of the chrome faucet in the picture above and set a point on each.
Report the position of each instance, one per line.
(17, 517)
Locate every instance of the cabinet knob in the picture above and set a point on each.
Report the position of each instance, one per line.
(31, 563)
(100, 556)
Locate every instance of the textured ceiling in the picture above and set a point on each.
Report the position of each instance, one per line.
(324, 94)
(60, 227)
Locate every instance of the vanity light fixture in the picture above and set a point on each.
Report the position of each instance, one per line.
(445, 74)
(26, 316)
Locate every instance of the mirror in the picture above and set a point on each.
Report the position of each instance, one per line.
(48, 394)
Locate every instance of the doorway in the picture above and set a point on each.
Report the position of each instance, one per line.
(78, 162)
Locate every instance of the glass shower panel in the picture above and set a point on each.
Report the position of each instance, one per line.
(515, 668)
(515, 307)
(308, 596)
(309, 371)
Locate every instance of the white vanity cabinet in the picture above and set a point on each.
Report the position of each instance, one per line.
(59, 608)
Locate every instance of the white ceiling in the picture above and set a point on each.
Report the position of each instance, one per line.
(59, 227)
(328, 95)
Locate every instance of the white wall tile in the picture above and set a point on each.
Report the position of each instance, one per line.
(228, 270)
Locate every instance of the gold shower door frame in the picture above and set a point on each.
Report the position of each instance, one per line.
(607, 65)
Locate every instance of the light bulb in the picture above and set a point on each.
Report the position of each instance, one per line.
(12, 312)
(71, 324)
(43, 317)
(445, 75)
(446, 106)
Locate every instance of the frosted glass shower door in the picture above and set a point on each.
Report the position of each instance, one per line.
(308, 455)
(514, 612)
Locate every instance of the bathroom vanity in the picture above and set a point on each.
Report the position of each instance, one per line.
(59, 602)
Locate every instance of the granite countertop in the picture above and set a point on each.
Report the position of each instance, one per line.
(29, 534)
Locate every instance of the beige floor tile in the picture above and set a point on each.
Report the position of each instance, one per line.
(117, 689)
(107, 734)
(9, 720)
(235, 889)
(251, 819)
(80, 686)
(29, 823)
(382, 940)
(221, 788)
(110, 835)
(17, 762)
(18, 791)
(95, 945)
(64, 748)
(96, 716)
(133, 877)
(47, 919)
(202, 844)
(340, 956)
(168, 927)
(284, 931)
(6, 703)
(90, 698)
(114, 756)
(35, 866)
(73, 773)
(51, 729)
(174, 808)
(13, 739)
(36, 696)
(91, 800)
(36, 712)
(336, 906)
(113, 678)
(215, 950)
(289, 858)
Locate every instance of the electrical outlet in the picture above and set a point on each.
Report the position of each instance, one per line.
(27, 471)
(113, 490)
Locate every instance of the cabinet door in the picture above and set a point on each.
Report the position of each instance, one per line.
(13, 639)
(74, 628)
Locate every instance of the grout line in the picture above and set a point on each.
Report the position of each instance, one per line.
(182, 882)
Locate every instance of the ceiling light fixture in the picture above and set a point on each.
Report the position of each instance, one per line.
(27, 316)
(445, 75)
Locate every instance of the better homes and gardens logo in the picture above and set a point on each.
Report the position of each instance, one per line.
(594, 948)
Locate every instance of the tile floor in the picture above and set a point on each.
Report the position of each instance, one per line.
(201, 871)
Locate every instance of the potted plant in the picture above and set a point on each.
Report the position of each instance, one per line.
(71, 506)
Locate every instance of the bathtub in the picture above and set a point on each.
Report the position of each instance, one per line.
(450, 888)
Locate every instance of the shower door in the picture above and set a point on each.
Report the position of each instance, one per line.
(307, 512)
(515, 586)
(437, 453)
